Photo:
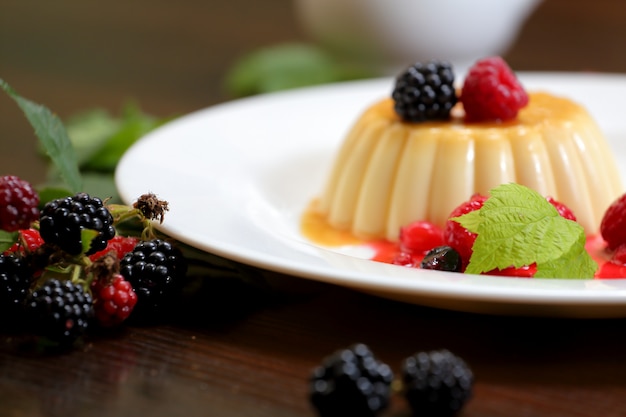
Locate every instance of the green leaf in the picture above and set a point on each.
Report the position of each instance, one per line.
(50, 193)
(287, 66)
(575, 264)
(52, 134)
(87, 235)
(133, 125)
(517, 226)
(89, 131)
(7, 239)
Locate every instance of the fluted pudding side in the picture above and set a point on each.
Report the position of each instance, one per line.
(389, 173)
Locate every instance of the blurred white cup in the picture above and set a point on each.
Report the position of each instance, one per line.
(389, 35)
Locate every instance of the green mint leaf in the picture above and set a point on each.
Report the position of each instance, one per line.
(517, 226)
(7, 239)
(575, 264)
(52, 134)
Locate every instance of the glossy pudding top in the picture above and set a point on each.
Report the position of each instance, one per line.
(389, 173)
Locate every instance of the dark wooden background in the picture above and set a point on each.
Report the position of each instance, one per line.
(242, 350)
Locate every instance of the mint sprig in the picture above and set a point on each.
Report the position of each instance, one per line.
(517, 226)
(52, 134)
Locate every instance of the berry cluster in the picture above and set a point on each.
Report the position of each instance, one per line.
(426, 246)
(353, 382)
(68, 269)
(490, 92)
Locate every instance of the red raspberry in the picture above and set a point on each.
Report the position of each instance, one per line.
(491, 92)
(563, 210)
(420, 237)
(458, 237)
(28, 242)
(619, 255)
(121, 245)
(18, 203)
(113, 302)
(527, 271)
(613, 225)
(403, 259)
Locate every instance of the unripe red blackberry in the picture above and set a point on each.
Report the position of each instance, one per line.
(62, 222)
(18, 203)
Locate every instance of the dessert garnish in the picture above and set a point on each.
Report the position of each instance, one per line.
(425, 92)
(613, 225)
(492, 92)
(517, 227)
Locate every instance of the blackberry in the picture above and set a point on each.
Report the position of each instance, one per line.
(425, 92)
(442, 258)
(15, 281)
(437, 383)
(59, 310)
(62, 222)
(18, 203)
(351, 382)
(155, 269)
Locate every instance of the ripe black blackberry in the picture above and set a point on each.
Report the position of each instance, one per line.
(18, 203)
(59, 310)
(62, 222)
(15, 281)
(442, 258)
(156, 269)
(425, 92)
(436, 383)
(351, 382)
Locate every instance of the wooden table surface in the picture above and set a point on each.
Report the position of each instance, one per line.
(238, 349)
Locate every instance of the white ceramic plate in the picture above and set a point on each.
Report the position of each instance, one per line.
(239, 175)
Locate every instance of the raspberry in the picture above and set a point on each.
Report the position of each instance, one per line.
(491, 92)
(113, 301)
(458, 237)
(563, 210)
(60, 311)
(462, 239)
(28, 242)
(437, 383)
(527, 271)
(155, 269)
(613, 225)
(403, 258)
(619, 255)
(351, 382)
(120, 245)
(15, 280)
(62, 222)
(425, 92)
(442, 258)
(419, 237)
(18, 204)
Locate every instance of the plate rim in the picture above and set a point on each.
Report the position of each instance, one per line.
(530, 296)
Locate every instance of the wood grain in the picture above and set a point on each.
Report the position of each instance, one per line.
(239, 349)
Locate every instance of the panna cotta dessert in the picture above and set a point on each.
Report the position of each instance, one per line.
(397, 165)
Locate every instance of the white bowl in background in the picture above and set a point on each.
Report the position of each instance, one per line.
(389, 35)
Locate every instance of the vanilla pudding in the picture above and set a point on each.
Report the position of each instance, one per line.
(389, 173)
